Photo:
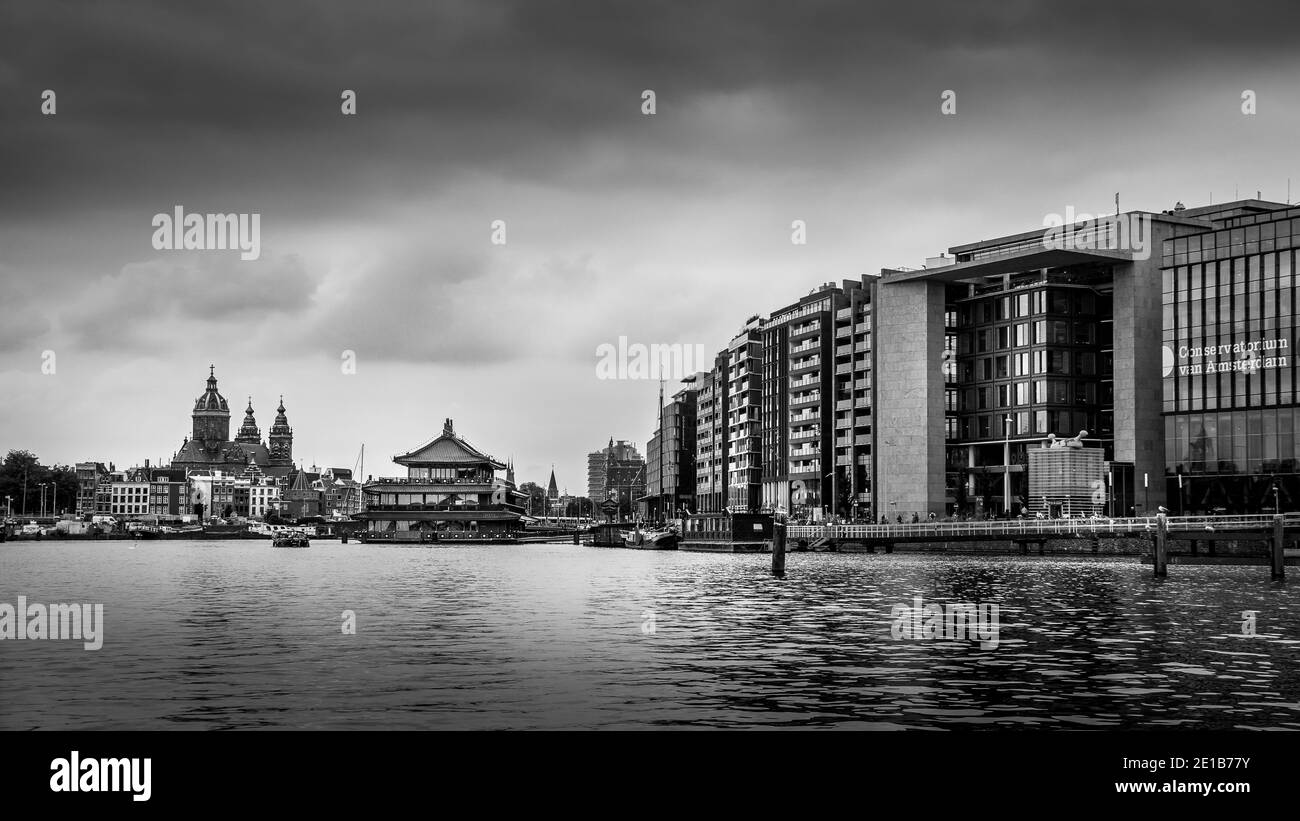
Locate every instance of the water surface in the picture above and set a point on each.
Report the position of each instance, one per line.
(240, 635)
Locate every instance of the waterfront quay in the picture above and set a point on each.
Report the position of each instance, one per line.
(1244, 539)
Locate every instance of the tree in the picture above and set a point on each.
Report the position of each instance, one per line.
(536, 504)
(21, 477)
(579, 507)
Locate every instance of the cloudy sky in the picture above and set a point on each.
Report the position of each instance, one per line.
(670, 228)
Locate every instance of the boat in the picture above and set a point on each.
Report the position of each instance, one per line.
(726, 532)
(291, 539)
(662, 539)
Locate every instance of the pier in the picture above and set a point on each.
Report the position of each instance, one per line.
(1277, 533)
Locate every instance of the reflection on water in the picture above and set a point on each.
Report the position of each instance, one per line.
(239, 635)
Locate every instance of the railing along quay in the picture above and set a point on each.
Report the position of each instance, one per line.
(1162, 529)
(1031, 528)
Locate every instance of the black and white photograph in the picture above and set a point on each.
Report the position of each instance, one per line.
(659, 373)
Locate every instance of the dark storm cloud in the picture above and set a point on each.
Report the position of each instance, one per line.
(161, 102)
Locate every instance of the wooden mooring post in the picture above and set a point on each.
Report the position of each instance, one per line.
(778, 550)
(1162, 546)
(1277, 553)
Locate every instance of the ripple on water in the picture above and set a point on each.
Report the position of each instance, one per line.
(237, 635)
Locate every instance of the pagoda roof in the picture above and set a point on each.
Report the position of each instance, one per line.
(447, 449)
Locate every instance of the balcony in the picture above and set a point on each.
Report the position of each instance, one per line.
(803, 434)
(847, 367)
(805, 364)
(806, 382)
(844, 461)
(863, 439)
(863, 327)
(844, 313)
(844, 404)
(862, 402)
(805, 400)
(863, 346)
(862, 384)
(843, 331)
(843, 350)
(803, 417)
(806, 328)
(807, 346)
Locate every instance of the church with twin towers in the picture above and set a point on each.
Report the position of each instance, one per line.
(210, 447)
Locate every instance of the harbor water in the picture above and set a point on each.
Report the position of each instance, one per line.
(239, 635)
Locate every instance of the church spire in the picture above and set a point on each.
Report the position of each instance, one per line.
(280, 439)
(249, 433)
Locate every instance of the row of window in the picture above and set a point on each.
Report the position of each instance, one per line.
(1232, 242)
(1029, 392)
(1064, 363)
(1061, 301)
(1024, 334)
(1251, 441)
(1021, 423)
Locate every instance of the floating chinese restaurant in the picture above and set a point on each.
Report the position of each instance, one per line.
(451, 492)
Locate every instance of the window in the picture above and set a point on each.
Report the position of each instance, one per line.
(1004, 337)
(1022, 393)
(1022, 334)
(1040, 332)
(1001, 367)
(1058, 362)
(1022, 364)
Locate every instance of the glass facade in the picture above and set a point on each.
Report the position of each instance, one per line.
(1033, 356)
(1229, 373)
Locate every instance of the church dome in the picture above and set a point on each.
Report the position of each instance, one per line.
(211, 400)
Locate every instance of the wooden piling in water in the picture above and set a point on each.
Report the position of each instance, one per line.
(1278, 554)
(1162, 546)
(778, 550)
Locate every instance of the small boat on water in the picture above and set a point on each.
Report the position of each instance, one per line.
(663, 539)
(291, 539)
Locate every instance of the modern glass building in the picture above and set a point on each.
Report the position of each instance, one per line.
(1229, 372)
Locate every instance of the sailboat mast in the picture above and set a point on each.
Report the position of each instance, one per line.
(662, 434)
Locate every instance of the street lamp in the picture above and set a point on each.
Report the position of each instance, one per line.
(1146, 496)
(1006, 460)
(42, 487)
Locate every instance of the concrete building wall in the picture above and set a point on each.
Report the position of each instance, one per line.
(1139, 427)
(909, 341)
